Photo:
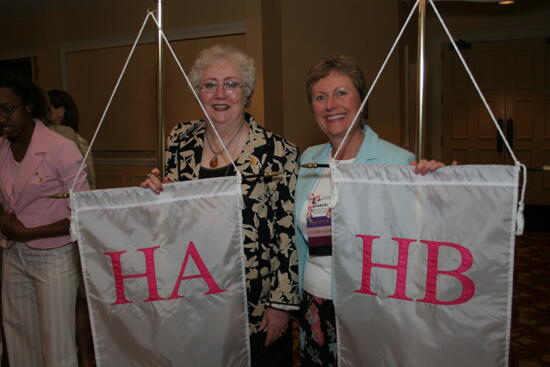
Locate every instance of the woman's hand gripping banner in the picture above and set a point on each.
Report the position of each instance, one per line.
(422, 265)
(164, 274)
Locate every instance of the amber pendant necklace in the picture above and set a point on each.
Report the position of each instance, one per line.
(214, 161)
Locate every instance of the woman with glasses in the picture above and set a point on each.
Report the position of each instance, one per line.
(40, 274)
(224, 77)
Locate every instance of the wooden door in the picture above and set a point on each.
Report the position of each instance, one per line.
(528, 112)
(514, 76)
(469, 135)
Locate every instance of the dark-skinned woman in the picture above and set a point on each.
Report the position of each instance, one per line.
(40, 273)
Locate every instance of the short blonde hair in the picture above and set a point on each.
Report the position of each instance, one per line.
(341, 64)
(242, 61)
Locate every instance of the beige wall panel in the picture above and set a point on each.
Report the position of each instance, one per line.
(119, 176)
(126, 145)
(71, 20)
(264, 43)
(14, 36)
(130, 123)
(55, 22)
(364, 30)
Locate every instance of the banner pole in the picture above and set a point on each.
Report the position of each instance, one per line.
(421, 78)
(160, 91)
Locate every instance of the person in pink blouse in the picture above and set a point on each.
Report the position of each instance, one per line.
(40, 273)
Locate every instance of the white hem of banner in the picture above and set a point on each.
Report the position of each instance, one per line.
(85, 280)
(156, 202)
(429, 183)
(85, 277)
(336, 306)
(511, 273)
(245, 299)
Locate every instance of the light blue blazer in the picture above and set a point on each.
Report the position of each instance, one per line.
(373, 150)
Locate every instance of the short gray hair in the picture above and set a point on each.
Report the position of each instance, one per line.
(242, 61)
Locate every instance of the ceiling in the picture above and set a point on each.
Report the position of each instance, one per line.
(454, 7)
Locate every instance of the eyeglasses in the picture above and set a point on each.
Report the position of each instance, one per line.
(229, 86)
(6, 110)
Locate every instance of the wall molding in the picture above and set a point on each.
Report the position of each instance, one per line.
(211, 30)
(125, 158)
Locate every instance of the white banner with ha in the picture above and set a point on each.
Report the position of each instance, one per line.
(164, 274)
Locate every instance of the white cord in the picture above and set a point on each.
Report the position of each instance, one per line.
(110, 100)
(475, 83)
(520, 220)
(521, 205)
(150, 14)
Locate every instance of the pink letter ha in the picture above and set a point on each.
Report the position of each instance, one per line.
(204, 273)
(149, 273)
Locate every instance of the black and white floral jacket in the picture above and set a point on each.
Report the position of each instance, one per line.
(268, 215)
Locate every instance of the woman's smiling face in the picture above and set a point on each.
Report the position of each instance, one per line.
(223, 106)
(335, 102)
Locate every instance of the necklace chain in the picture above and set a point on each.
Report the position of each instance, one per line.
(214, 161)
